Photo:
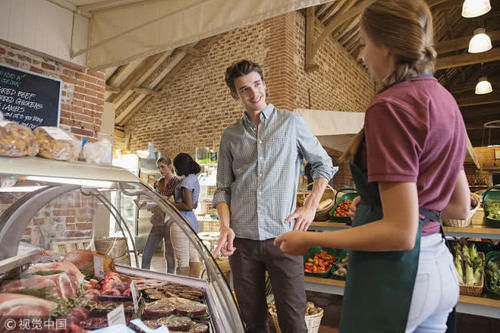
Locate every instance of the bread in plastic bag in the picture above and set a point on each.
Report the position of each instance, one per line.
(98, 152)
(54, 143)
(16, 140)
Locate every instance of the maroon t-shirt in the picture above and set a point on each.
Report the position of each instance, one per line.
(414, 132)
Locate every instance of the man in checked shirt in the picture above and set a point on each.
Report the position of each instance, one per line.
(257, 177)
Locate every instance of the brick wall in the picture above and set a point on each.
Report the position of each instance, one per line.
(82, 106)
(195, 106)
(340, 84)
(82, 100)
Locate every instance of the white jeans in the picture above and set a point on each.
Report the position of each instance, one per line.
(436, 287)
(184, 250)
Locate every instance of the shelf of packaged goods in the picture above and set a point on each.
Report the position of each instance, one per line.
(472, 231)
(479, 306)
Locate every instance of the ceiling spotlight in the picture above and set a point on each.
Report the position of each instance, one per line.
(483, 86)
(480, 42)
(474, 8)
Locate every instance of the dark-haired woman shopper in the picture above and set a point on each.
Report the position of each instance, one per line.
(407, 164)
(187, 193)
(161, 230)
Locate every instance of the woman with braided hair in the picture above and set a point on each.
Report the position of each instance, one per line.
(407, 164)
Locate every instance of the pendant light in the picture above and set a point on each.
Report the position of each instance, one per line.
(483, 86)
(474, 8)
(480, 42)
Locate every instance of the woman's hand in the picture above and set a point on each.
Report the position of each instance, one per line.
(294, 243)
(354, 207)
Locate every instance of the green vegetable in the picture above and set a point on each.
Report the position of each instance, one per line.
(43, 292)
(493, 277)
(469, 273)
(47, 273)
(458, 267)
(477, 275)
(492, 209)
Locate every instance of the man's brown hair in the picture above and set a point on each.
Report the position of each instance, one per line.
(241, 68)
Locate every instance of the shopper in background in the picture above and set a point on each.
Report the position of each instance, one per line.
(257, 178)
(187, 193)
(407, 164)
(161, 229)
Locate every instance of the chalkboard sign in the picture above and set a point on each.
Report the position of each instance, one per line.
(28, 98)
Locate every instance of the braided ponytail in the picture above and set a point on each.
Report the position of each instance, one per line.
(405, 28)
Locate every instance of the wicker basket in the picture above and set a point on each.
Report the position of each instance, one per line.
(321, 214)
(464, 223)
(312, 321)
(474, 290)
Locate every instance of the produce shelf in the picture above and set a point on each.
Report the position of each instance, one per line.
(472, 231)
(479, 306)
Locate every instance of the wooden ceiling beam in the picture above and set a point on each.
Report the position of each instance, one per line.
(125, 119)
(135, 76)
(468, 59)
(349, 28)
(113, 89)
(462, 43)
(472, 153)
(112, 80)
(340, 18)
(193, 51)
(310, 29)
(481, 116)
(332, 10)
(176, 68)
(327, 7)
(145, 91)
(348, 38)
(491, 98)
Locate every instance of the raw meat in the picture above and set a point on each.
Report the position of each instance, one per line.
(15, 305)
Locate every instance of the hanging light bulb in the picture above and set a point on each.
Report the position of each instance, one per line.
(480, 42)
(474, 8)
(483, 86)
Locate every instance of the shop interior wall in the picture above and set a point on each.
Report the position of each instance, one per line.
(195, 107)
(82, 100)
(82, 107)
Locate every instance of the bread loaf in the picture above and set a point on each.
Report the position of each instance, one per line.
(16, 140)
(56, 144)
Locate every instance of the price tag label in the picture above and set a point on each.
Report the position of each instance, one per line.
(135, 297)
(117, 316)
(98, 267)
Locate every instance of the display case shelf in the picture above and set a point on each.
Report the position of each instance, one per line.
(472, 231)
(479, 306)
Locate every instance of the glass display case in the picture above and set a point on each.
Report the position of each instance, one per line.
(68, 253)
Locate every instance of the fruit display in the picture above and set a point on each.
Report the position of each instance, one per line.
(340, 210)
(320, 262)
(343, 208)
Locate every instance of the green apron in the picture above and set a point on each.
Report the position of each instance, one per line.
(379, 285)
